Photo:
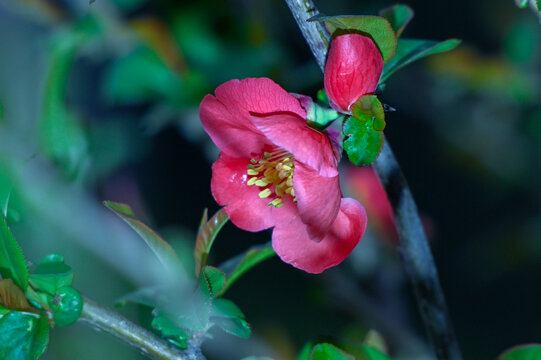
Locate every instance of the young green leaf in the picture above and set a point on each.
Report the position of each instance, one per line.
(410, 50)
(329, 352)
(13, 298)
(212, 280)
(370, 353)
(237, 266)
(171, 331)
(51, 274)
(226, 308)
(364, 131)
(399, 16)
(12, 263)
(522, 352)
(235, 326)
(205, 237)
(23, 336)
(159, 246)
(375, 27)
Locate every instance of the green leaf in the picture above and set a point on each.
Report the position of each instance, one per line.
(410, 50)
(212, 280)
(237, 266)
(522, 3)
(170, 330)
(51, 274)
(257, 358)
(235, 326)
(205, 237)
(226, 308)
(23, 336)
(62, 137)
(13, 298)
(329, 352)
(370, 353)
(375, 340)
(67, 306)
(375, 27)
(12, 264)
(306, 351)
(364, 131)
(399, 16)
(522, 352)
(159, 246)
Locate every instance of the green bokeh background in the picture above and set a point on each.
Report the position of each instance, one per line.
(100, 102)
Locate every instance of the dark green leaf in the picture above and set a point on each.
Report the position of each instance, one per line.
(13, 298)
(67, 305)
(205, 237)
(170, 330)
(237, 266)
(226, 308)
(235, 326)
(12, 263)
(329, 352)
(159, 246)
(23, 336)
(375, 27)
(399, 16)
(522, 352)
(410, 50)
(363, 131)
(51, 274)
(212, 280)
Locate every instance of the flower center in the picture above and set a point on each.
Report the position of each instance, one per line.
(273, 173)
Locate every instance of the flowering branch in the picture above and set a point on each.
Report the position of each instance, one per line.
(414, 250)
(134, 335)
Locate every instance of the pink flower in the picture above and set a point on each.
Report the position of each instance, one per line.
(276, 171)
(353, 68)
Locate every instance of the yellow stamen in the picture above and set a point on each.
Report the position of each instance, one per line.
(265, 193)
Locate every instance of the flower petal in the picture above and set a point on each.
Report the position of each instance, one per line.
(242, 203)
(318, 199)
(293, 246)
(307, 145)
(226, 117)
(353, 69)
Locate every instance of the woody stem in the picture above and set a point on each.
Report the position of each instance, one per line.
(414, 249)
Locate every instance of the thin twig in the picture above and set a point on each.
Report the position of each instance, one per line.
(414, 250)
(134, 335)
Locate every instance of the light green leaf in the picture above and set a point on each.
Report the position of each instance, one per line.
(375, 340)
(12, 263)
(306, 351)
(235, 326)
(410, 50)
(205, 237)
(399, 16)
(159, 246)
(23, 336)
(51, 274)
(370, 353)
(329, 352)
(375, 27)
(237, 266)
(522, 352)
(364, 131)
(226, 308)
(170, 330)
(522, 3)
